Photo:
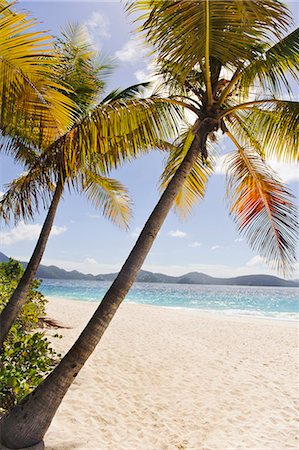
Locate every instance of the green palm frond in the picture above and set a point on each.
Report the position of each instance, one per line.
(263, 209)
(81, 67)
(25, 195)
(31, 103)
(177, 29)
(275, 127)
(108, 195)
(195, 184)
(117, 132)
(270, 69)
(125, 94)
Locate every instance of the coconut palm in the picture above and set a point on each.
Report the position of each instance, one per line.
(32, 103)
(197, 41)
(50, 171)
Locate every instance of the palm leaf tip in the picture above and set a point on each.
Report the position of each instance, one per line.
(263, 210)
(110, 196)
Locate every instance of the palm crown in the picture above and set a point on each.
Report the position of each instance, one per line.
(230, 62)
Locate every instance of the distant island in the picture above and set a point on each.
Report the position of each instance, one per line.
(144, 276)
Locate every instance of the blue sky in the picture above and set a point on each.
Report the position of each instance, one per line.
(81, 238)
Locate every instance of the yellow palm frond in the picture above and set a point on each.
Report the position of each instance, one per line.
(107, 194)
(195, 184)
(25, 195)
(271, 69)
(116, 133)
(275, 127)
(177, 29)
(32, 104)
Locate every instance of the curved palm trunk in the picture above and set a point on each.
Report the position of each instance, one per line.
(18, 298)
(28, 422)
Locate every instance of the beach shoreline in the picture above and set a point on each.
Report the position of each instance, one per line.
(166, 378)
(222, 314)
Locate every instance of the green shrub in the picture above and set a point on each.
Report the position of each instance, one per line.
(27, 356)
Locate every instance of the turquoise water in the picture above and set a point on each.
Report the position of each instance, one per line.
(281, 303)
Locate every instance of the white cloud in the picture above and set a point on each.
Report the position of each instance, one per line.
(256, 261)
(26, 232)
(90, 261)
(177, 234)
(136, 232)
(96, 28)
(132, 51)
(195, 244)
(56, 231)
(287, 172)
(239, 240)
(216, 247)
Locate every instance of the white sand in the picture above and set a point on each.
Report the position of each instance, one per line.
(165, 379)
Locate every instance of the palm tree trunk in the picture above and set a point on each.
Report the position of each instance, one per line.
(18, 298)
(27, 423)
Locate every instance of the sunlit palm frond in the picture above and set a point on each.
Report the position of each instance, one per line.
(108, 195)
(245, 134)
(194, 187)
(275, 127)
(125, 94)
(177, 29)
(118, 132)
(81, 67)
(272, 67)
(25, 195)
(30, 101)
(263, 209)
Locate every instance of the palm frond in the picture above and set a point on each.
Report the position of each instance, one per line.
(25, 195)
(272, 67)
(117, 132)
(81, 67)
(124, 94)
(108, 195)
(31, 103)
(263, 209)
(275, 127)
(176, 29)
(194, 187)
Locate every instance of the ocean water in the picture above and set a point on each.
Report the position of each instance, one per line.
(272, 302)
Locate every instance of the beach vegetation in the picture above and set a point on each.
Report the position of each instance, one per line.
(225, 62)
(27, 355)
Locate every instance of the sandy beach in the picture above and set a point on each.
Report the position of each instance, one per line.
(165, 379)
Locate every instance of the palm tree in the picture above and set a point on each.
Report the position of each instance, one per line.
(196, 40)
(53, 169)
(32, 103)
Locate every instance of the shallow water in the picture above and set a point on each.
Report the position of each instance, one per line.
(275, 302)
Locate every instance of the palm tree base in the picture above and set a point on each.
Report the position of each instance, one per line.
(39, 446)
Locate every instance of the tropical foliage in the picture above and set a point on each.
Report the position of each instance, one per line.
(103, 135)
(231, 62)
(209, 53)
(27, 355)
(33, 105)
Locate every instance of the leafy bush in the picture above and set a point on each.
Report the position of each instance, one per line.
(27, 356)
